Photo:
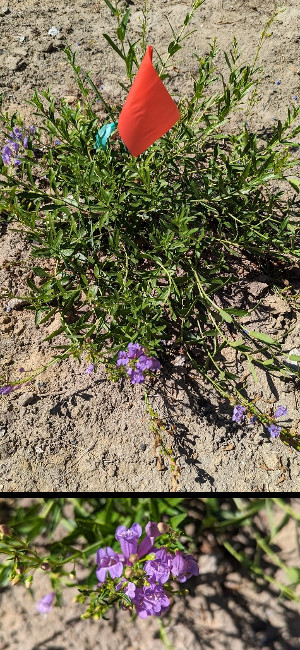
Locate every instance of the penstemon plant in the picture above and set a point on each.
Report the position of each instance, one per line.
(137, 252)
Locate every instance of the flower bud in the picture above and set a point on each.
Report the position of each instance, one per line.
(15, 580)
(20, 569)
(162, 527)
(45, 566)
(28, 582)
(128, 572)
(133, 557)
(5, 530)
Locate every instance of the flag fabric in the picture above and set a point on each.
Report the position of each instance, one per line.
(149, 111)
(103, 135)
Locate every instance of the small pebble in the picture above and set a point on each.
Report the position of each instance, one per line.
(143, 446)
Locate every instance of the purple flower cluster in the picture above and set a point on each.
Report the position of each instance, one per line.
(136, 362)
(238, 416)
(17, 138)
(238, 413)
(147, 593)
(274, 429)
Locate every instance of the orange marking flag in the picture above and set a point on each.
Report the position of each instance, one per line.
(149, 111)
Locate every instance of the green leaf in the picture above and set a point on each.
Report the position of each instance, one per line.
(262, 337)
(294, 182)
(114, 46)
(177, 519)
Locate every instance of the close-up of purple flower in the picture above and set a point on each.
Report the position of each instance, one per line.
(184, 566)
(147, 363)
(7, 155)
(108, 561)
(128, 538)
(158, 570)
(90, 369)
(136, 376)
(135, 350)
(281, 410)
(5, 390)
(238, 413)
(122, 358)
(274, 430)
(147, 544)
(148, 600)
(45, 604)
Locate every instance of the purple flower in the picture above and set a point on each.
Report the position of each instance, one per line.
(136, 376)
(5, 390)
(130, 590)
(44, 605)
(150, 600)
(7, 155)
(135, 350)
(128, 539)
(238, 413)
(282, 410)
(14, 146)
(25, 141)
(108, 561)
(184, 566)
(253, 419)
(278, 82)
(17, 133)
(158, 569)
(32, 130)
(21, 369)
(147, 363)
(90, 369)
(274, 430)
(122, 358)
(147, 544)
(295, 97)
(17, 161)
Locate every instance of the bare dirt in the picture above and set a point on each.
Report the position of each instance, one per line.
(69, 431)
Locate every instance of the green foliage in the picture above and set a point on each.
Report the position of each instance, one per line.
(82, 525)
(144, 249)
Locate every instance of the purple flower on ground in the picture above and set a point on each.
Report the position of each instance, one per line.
(135, 350)
(128, 539)
(184, 566)
(278, 82)
(158, 570)
(136, 376)
(282, 410)
(44, 605)
(149, 600)
(17, 133)
(274, 430)
(108, 561)
(14, 146)
(21, 369)
(122, 358)
(238, 413)
(32, 130)
(90, 369)
(17, 161)
(147, 544)
(295, 97)
(253, 419)
(7, 155)
(25, 141)
(147, 363)
(5, 390)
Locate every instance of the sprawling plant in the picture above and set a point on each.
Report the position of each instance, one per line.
(140, 251)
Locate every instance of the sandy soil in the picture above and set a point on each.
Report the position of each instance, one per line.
(72, 432)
